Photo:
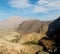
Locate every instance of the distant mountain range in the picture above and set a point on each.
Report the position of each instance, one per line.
(11, 22)
(29, 35)
(24, 25)
(33, 26)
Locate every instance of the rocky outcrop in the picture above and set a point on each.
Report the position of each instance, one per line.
(33, 26)
(54, 28)
(49, 44)
(54, 33)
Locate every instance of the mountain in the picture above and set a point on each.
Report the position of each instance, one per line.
(33, 26)
(11, 22)
(54, 28)
(34, 38)
(54, 33)
(9, 25)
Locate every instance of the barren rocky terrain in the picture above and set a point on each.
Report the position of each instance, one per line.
(29, 36)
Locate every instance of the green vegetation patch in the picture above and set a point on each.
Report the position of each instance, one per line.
(31, 42)
(16, 39)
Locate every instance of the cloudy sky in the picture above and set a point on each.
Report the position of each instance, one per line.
(40, 9)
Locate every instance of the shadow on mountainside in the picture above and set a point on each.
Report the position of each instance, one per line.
(54, 33)
(51, 43)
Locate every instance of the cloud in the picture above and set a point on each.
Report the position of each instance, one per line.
(40, 9)
(43, 6)
(55, 5)
(19, 3)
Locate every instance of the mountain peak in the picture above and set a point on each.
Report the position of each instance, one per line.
(14, 18)
(12, 21)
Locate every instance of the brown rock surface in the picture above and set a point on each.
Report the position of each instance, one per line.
(33, 26)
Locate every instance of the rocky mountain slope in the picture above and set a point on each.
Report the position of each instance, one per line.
(11, 22)
(9, 25)
(54, 28)
(33, 26)
(54, 33)
(13, 48)
(32, 37)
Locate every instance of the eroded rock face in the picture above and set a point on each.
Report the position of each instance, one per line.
(33, 26)
(49, 44)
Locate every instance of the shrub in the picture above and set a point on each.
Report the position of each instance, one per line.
(31, 42)
(16, 39)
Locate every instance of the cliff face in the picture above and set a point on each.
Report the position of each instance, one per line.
(54, 28)
(54, 33)
(33, 26)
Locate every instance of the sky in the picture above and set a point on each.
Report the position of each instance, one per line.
(39, 9)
